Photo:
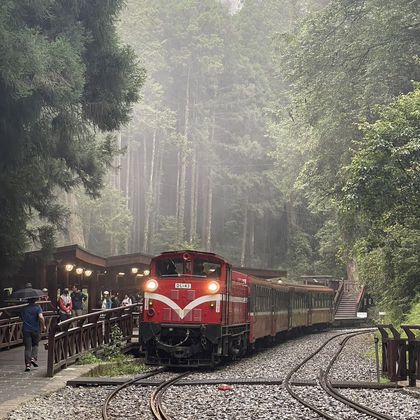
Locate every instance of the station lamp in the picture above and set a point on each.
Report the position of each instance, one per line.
(88, 273)
(79, 270)
(134, 270)
(69, 267)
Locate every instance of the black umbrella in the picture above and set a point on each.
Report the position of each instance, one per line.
(27, 293)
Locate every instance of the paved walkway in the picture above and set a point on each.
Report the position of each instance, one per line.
(18, 386)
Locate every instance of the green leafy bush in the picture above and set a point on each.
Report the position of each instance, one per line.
(114, 348)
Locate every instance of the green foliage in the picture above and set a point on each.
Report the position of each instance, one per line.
(382, 191)
(112, 362)
(89, 358)
(114, 347)
(413, 315)
(330, 249)
(167, 237)
(63, 76)
(339, 63)
(384, 177)
(300, 255)
(106, 221)
(118, 366)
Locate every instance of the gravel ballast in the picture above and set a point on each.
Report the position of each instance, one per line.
(243, 401)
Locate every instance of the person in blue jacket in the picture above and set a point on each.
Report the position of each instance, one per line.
(32, 319)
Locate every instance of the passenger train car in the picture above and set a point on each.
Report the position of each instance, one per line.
(198, 311)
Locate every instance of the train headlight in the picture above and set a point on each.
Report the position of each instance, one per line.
(151, 285)
(213, 287)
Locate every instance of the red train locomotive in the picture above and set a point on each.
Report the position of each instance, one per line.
(197, 310)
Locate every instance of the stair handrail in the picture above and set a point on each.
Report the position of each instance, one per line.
(360, 297)
(338, 296)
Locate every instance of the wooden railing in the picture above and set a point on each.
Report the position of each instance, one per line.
(351, 286)
(11, 324)
(68, 340)
(337, 296)
(360, 297)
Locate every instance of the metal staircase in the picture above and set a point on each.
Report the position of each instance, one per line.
(348, 302)
(347, 306)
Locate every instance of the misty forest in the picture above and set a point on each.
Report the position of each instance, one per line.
(280, 134)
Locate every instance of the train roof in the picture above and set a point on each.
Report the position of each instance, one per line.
(288, 286)
(191, 251)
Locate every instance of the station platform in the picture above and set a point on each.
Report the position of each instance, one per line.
(18, 386)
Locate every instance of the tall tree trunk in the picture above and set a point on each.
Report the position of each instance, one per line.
(142, 192)
(76, 232)
(156, 208)
(127, 192)
(178, 178)
(149, 195)
(196, 192)
(244, 233)
(251, 237)
(209, 201)
(209, 211)
(133, 201)
(183, 172)
(182, 190)
(118, 165)
(127, 171)
(193, 201)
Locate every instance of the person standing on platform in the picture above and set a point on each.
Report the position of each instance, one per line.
(32, 317)
(126, 301)
(115, 302)
(65, 305)
(106, 301)
(77, 299)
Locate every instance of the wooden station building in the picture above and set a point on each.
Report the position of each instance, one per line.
(74, 265)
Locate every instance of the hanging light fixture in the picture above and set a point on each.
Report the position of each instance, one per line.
(69, 267)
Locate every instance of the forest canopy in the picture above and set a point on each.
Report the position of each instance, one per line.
(64, 75)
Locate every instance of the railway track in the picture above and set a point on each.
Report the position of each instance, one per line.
(126, 384)
(325, 383)
(156, 398)
(155, 402)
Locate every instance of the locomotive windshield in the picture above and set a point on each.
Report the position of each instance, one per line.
(199, 267)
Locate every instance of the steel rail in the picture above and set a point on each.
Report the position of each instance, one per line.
(329, 389)
(156, 398)
(125, 385)
(296, 368)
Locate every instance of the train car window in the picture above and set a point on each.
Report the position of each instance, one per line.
(204, 268)
(171, 267)
(228, 278)
(174, 267)
(257, 298)
(251, 299)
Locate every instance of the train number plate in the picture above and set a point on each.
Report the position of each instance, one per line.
(182, 285)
